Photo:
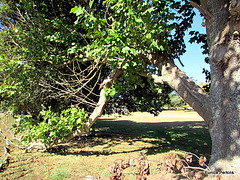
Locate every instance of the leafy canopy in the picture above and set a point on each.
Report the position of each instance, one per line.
(56, 53)
(126, 31)
(40, 58)
(136, 36)
(58, 58)
(50, 127)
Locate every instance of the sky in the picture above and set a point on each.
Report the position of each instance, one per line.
(193, 59)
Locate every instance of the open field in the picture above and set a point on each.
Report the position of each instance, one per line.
(116, 138)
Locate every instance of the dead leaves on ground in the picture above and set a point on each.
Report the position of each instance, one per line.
(140, 167)
(180, 165)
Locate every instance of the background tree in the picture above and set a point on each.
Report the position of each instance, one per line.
(39, 57)
(176, 101)
(137, 93)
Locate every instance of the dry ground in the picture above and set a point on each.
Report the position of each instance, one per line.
(165, 116)
(116, 138)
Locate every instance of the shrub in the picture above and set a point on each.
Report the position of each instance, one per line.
(50, 127)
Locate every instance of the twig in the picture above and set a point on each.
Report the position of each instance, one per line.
(196, 157)
(179, 59)
(196, 168)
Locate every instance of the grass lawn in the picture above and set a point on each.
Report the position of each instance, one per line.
(116, 138)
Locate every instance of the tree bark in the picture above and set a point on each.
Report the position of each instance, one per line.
(187, 89)
(221, 108)
(224, 45)
(102, 102)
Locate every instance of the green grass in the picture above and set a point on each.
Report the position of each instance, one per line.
(59, 173)
(116, 138)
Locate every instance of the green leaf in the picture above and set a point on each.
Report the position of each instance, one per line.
(125, 49)
(130, 12)
(154, 44)
(79, 121)
(13, 126)
(91, 3)
(113, 92)
(73, 10)
(161, 48)
(149, 36)
(79, 11)
(125, 66)
(133, 51)
(138, 20)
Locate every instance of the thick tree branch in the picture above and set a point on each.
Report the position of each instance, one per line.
(187, 89)
(156, 78)
(205, 13)
(102, 102)
(182, 84)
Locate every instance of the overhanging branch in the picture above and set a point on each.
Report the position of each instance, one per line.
(205, 13)
(185, 87)
(102, 102)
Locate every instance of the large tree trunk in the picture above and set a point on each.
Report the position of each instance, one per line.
(224, 45)
(220, 109)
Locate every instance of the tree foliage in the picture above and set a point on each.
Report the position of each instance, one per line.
(131, 35)
(51, 57)
(125, 32)
(40, 57)
(56, 53)
(50, 127)
(135, 93)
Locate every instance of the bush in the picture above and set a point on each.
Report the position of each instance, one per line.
(50, 127)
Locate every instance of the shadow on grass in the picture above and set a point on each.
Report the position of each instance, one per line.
(124, 136)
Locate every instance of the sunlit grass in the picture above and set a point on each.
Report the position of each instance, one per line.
(116, 138)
